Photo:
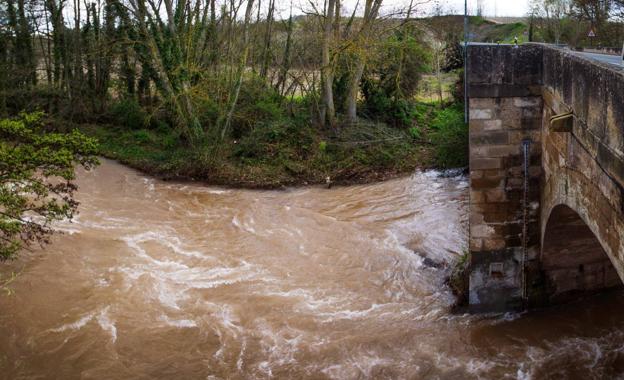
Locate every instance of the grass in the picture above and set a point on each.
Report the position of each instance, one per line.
(505, 33)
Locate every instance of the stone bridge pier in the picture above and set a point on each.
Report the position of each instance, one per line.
(546, 196)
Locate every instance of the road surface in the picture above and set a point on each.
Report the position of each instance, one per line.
(612, 59)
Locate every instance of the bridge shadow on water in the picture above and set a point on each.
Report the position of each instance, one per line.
(583, 339)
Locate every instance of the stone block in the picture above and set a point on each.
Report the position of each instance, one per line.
(490, 138)
(477, 196)
(482, 231)
(481, 113)
(476, 174)
(486, 183)
(528, 102)
(516, 137)
(485, 163)
(493, 125)
(496, 195)
(492, 244)
(501, 150)
(476, 218)
(486, 103)
(476, 244)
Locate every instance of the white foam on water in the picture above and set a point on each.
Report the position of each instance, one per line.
(359, 365)
(241, 355)
(207, 278)
(180, 323)
(105, 222)
(168, 295)
(134, 242)
(107, 324)
(75, 325)
(352, 314)
(278, 345)
(244, 225)
(310, 301)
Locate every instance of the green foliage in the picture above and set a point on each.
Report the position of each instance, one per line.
(415, 133)
(275, 140)
(449, 135)
(378, 105)
(258, 103)
(392, 80)
(505, 33)
(459, 279)
(402, 60)
(323, 146)
(127, 112)
(457, 91)
(36, 174)
(273, 154)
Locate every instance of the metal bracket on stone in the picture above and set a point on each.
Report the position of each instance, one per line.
(563, 122)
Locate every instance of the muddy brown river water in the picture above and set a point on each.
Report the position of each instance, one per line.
(158, 280)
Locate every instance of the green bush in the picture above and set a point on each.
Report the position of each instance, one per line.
(258, 103)
(379, 106)
(323, 146)
(127, 112)
(450, 137)
(392, 80)
(415, 133)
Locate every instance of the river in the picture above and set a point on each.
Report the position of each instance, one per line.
(162, 280)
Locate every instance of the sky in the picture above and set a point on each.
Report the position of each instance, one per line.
(500, 8)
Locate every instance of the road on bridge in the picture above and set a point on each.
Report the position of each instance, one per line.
(611, 59)
(606, 58)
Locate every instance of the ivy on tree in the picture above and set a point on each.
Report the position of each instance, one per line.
(37, 169)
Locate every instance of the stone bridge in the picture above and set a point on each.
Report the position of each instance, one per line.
(546, 176)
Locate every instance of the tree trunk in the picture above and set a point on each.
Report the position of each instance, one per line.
(370, 14)
(353, 91)
(241, 69)
(328, 114)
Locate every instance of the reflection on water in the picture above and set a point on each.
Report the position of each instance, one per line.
(164, 280)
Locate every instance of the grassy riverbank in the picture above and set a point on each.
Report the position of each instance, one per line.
(290, 151)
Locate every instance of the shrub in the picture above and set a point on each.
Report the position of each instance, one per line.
(258, 103)
(128, 113)
(392, 80)
(450, 137)
(399, 66)
(415, 133)
(323, 146)
(378, 105)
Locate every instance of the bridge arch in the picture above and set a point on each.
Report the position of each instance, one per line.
(573, 260)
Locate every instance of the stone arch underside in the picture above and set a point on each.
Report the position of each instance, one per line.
(573, 260)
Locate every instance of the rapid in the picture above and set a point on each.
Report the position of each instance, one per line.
(164, 280)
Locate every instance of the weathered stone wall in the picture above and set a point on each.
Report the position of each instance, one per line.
(576, 177)
(583, 170)
(505, 109)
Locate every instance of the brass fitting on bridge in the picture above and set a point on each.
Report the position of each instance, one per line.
(562, 122)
